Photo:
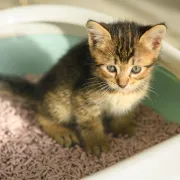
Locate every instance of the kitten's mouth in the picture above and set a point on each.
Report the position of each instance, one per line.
(124, 90)
(120, 89)
(128, 89)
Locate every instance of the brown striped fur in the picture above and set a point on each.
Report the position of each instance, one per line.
(79, 92)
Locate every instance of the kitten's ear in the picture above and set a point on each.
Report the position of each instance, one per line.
(97, 35)
(152, 38)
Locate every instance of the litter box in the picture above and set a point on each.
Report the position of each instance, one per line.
(33, 38)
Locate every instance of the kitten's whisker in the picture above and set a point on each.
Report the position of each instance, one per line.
(150, 90)
(92, 83)
(96, 82)
(100, 88)
(94, 91)
(102, 94)
(147, 96)
(96, 85)
(93, 80)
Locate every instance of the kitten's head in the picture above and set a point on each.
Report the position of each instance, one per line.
(124, 52)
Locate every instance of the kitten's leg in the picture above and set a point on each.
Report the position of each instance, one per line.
(123, 124)
(92, 133)
(63, 135)
(57, 106)
(94, 139)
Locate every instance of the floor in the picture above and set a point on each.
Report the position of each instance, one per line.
(143, 11)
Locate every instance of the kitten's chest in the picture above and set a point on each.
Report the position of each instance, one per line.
(120, 103)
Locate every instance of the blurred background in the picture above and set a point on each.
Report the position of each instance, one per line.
(143, 11)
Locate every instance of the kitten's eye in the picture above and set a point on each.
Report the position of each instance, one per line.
(111, 68)
(136, 69)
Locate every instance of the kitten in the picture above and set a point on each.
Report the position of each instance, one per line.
(102, 78)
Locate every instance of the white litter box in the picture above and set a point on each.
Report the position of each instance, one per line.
(32, 39)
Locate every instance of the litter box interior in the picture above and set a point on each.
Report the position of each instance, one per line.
(35, 54)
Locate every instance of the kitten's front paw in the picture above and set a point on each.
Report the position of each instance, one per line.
(62, 135)
(67, 138)
(95, 144)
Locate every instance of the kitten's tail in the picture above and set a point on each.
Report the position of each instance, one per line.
(19, 87)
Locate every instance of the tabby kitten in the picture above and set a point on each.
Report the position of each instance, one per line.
(102, 79)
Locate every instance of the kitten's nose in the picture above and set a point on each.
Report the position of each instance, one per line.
(122, 85)
(123, 81)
